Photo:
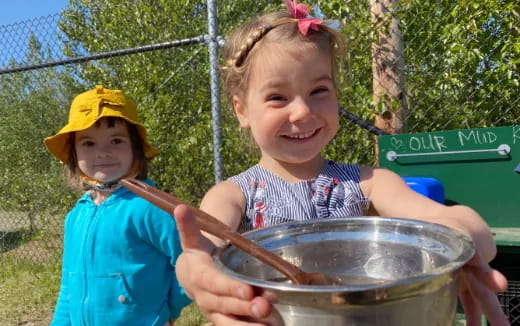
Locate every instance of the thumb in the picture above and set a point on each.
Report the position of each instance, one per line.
(189, 230)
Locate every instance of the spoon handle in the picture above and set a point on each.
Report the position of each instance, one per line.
(215, 227)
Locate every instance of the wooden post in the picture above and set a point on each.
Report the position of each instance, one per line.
(388, 69)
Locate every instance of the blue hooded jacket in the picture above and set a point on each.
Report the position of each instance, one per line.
(119, 264)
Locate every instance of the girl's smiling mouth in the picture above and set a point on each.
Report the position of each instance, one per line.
(106, 165)
(303, 135)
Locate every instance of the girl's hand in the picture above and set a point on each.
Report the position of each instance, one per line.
(221, 299)
(479, 286)
(224, 300)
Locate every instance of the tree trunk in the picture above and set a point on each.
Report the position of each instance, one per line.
(387, 69)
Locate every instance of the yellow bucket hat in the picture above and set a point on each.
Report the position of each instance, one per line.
(89, 107)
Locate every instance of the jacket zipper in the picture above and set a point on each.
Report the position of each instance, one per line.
(86, 315)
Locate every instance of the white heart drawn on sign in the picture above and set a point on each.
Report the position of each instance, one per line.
(396, 143)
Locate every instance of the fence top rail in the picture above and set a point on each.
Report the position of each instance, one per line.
(109, 54)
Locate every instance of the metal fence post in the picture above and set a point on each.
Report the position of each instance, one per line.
(212, 42)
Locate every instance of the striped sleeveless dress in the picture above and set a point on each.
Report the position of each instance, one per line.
(271, 200)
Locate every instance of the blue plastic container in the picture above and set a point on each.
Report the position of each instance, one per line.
(427, 186)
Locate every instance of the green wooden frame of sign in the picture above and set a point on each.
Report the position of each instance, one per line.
(475, 166)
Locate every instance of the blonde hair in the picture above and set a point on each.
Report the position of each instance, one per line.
(72, 171)
(278, 27)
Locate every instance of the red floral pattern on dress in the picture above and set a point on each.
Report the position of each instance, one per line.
(260, 208)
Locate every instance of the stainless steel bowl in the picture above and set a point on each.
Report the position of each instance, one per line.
(393, 271)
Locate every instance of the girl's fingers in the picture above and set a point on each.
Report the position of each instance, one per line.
(472, 312)
(471, 307)
(219, 293)
(487, 300)
(211, 280)
(491, 278)
(225, 320)
(233, 308)
(215, 291)
(259, 308)
(218, 296)
(229, 296)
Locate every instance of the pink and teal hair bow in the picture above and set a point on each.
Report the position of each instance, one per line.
(301, 12)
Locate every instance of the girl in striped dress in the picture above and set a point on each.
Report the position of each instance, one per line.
(280, 77)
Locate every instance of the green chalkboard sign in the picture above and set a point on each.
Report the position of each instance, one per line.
(475, 166)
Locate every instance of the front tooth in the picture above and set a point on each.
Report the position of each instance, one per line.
(301, 136)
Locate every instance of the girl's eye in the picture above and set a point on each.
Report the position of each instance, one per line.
(275, 97)
(117, 141)
(319, 90)
(87, 143)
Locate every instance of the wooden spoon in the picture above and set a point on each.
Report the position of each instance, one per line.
(215, 227)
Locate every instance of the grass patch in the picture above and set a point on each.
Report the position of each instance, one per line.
(191, 316)
(29, 288)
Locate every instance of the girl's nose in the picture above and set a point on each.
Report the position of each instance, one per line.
(301, 110)
(103, 152)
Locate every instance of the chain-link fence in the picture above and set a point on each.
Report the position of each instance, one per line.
(437, 65)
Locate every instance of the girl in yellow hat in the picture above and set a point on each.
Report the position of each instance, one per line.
(119, 250)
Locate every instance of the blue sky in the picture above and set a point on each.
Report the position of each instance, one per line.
(12, 11)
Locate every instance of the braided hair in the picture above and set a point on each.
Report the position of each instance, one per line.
(279, 27)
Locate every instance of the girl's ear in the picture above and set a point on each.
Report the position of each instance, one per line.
(240, 112)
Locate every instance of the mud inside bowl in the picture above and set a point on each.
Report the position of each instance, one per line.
(390, 271)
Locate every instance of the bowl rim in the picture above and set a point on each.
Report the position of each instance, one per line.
(467, 251)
